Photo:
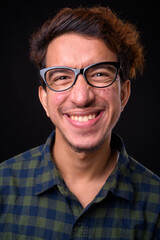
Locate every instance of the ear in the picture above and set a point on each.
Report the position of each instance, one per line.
(125, 93)
(43, 98)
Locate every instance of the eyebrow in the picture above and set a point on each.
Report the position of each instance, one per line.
(58, 70)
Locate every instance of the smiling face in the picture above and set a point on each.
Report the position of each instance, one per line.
(84, 116)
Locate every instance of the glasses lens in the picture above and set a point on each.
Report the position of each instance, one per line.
(59, 79)
(101, 75)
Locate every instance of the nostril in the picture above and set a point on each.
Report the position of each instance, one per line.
(81, 96)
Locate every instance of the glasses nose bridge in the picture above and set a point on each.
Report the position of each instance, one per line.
(78, 72)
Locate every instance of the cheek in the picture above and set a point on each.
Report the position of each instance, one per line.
(55, 100)
(110, 95)
(112, 100)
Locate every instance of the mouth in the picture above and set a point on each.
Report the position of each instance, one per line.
(85, 117)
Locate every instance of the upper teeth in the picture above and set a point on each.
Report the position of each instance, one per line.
(83, 118)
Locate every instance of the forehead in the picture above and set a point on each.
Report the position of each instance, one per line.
(74, 50)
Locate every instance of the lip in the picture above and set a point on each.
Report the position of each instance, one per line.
(83, 112)
(89, 123)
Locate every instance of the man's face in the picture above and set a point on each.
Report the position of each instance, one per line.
(84, 116)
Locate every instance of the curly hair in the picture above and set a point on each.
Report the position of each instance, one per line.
(100, 22)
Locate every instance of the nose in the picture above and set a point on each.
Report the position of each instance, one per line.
(81, 93)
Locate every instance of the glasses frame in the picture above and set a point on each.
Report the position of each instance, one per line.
(77, 72)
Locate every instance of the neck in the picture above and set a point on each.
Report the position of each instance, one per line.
(83, 166)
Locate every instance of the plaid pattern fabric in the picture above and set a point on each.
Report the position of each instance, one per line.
(36, 204)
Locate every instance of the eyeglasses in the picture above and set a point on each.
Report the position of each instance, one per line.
(99, 75)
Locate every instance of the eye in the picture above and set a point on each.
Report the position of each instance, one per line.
(61, 78)
(100, 74)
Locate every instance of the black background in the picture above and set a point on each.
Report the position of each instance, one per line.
(23, 121)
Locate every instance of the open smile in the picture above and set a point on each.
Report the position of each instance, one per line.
(84, 119)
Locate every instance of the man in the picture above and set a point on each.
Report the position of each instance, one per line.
(81, 184)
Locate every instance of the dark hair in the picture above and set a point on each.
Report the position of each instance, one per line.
(100, 22)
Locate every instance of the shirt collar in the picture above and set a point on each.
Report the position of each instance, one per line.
(119, 182)
(48, 175)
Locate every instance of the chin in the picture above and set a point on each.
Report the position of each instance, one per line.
(88, 147)
(84, 149)
(85, 143)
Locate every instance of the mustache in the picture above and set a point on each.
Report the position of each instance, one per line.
(89, 107)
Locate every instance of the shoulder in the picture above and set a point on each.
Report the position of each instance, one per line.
(29, 159)
(14, 170)
(140, 172)
(146, 184)
(23, 158)
(139, 175)
(20, 175)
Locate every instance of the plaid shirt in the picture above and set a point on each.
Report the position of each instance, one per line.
(35, 202)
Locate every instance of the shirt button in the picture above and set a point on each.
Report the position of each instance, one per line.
(80, 223)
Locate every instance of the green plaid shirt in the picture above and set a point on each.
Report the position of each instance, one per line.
(36, 204)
